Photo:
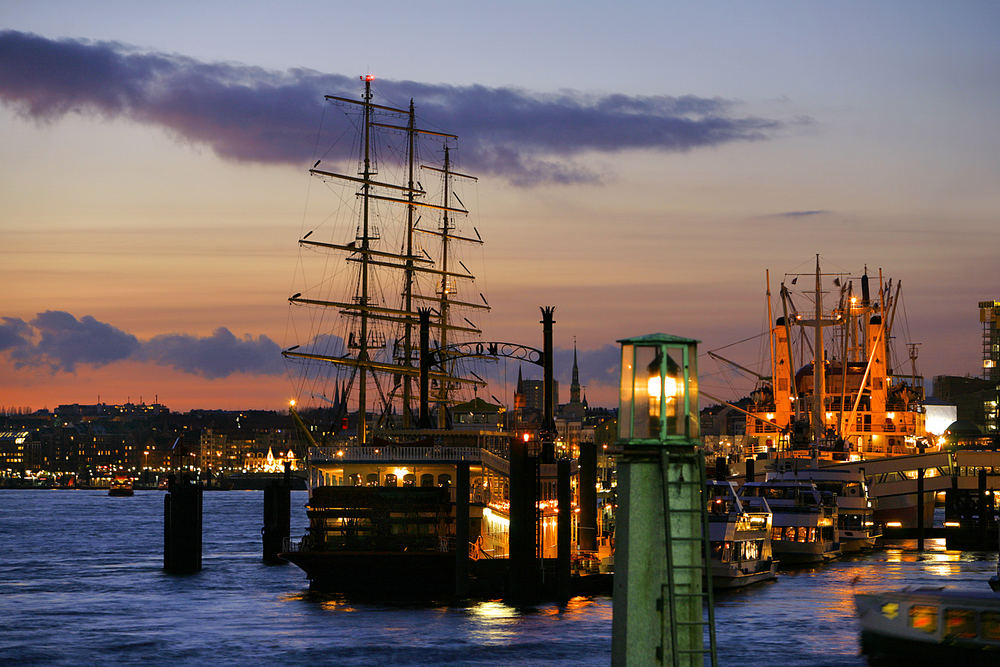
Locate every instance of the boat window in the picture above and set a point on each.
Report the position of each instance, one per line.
(390, 479)
(803, 534)
(812, 534)
(790, 533)
(372, 479)
(444, 480)
(960, 623)
(427, 479)
(409, 479)
(776, 532)
(923, 617)
(990, 625)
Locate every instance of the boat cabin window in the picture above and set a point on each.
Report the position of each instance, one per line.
(427, 479)
(354, 479)
(390, 479)
(924, 617)
(960, 623)
(371, 479)
(409, 479)
(444, 480)
(990, 625)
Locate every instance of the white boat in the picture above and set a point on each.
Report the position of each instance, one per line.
(804, 524)
(740, 536)
(857, 529)
(919, 626)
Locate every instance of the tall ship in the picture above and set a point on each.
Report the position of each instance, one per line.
(408, 467)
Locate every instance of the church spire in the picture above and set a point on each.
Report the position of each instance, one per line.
(574, 388)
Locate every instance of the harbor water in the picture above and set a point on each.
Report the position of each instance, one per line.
(81, 582)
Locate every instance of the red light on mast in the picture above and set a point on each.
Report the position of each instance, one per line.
(369, 77)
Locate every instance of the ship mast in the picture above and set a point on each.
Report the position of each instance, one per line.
(443, 391)
(365, 260)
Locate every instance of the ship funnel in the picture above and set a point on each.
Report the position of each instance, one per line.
(865, 296)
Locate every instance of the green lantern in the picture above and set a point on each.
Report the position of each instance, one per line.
(659, 390)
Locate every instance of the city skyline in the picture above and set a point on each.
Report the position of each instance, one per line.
(640, 169)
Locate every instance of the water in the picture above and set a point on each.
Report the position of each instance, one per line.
(81, 582)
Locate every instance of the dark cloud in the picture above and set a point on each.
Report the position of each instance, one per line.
(249, 114)
(64, 342)
(220, 355)
(14, 332)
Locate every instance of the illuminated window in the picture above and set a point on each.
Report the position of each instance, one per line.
(960, 623)
(990, 623)
(924, 618)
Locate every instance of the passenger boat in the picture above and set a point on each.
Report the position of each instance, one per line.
(740, 537)
(857, 529)
(930, 626)
(121, 485)
(804, 524)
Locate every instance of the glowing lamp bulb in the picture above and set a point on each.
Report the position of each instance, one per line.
(291, 402)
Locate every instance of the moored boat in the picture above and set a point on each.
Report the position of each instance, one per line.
(857, 529)
(804, 524)
(740, 537)
(121, 485)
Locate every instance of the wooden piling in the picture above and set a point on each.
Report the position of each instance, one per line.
(182, 526)
(563, 529)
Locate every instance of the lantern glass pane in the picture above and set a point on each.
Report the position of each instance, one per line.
(625, 395)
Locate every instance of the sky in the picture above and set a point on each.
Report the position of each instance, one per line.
(641, 166)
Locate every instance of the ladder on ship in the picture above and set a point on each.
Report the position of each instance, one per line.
(687, 599)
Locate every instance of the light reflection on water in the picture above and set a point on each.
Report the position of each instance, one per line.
(81, 582)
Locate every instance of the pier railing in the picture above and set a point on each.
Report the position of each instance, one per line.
(394, 454)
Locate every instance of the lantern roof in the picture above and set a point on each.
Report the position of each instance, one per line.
(658, 338)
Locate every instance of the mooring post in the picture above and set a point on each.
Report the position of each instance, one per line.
(522, 523)
(462, 530)
(182, 526)
(564, 522)
(587, 526)
(277, 516)
(548, 430)
(984, 519)
(920, 509)
(750, 469)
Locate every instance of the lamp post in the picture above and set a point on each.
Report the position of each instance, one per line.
(661, 550)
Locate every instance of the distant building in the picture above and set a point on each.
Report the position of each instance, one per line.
(969, 395)
(989, 315)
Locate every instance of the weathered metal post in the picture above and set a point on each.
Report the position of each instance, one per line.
(587, 526)
(522, 563)
(920, 509)
(547, 433)
(462, 529)
(661, 556)
(750, 470)
(277, 516)
(182, 526)
(564, 523)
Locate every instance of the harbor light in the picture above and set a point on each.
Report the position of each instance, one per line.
(659, 389)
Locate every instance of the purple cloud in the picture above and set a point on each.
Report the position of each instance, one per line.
(250, 114)
(64, 342)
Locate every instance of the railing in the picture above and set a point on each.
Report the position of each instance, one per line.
(353, 453)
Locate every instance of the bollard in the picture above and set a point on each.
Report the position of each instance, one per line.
(750, 470)
(522, 523)
(182, 526)
(277, 516)
(587, 527)
(563, 525)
